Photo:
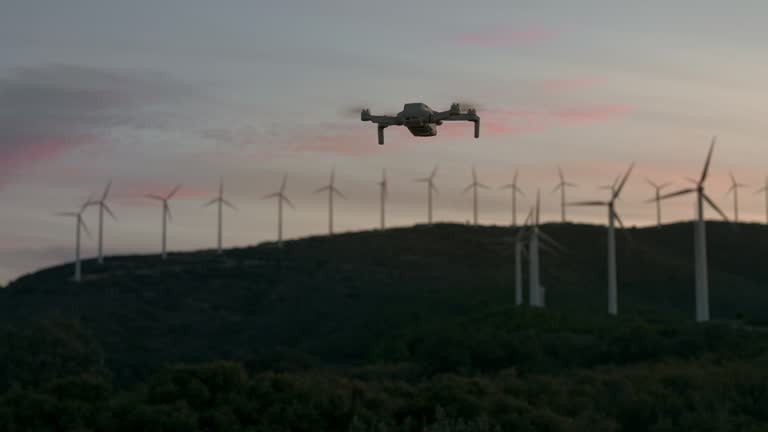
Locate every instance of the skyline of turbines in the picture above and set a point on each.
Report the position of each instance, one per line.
(531, 234)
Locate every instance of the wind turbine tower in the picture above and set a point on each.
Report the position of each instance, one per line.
(103, 206)
(613, 217)
(474, 186)
(331, 188)
(384, 191)
(561, 186)
(281, 197)
(515, 190)
(166, 215)
(700, 237)
(430, 181)
(221, 201)
(657, 189)
(764, 189)
(735, 189)
(79, 223)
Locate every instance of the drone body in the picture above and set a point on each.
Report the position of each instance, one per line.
(421, 120)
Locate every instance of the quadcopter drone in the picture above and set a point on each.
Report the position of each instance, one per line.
(421, 120)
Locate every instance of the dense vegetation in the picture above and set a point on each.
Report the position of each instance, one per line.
(405, 330)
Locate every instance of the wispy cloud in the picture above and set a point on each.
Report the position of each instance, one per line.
(46, 111)
(505, 38)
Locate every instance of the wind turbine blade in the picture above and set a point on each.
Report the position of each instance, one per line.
(709, 159)
(322, 189)
(272, 195)
(155, 197)
(283, 184)
(211, 202)
(520, 191)
(653, 185)
(528, 218)
(482, 186)
(623, 181)
(507, 186)
(434, 188)
(571, 184)
(287, 201)
(514, 177)
(229, 204)
(664, 185)
(106, 190)
(338, 192)
(173, 192)
(560, 173)
(674, 194)
(85, 228)
(621, 224)
(434, 173)
(544, 236)
(109, 211)
(714, 206)
(733, 179)
(588, 203)
(422, 180)
(557, 187)
(468, 188)
(692, 180)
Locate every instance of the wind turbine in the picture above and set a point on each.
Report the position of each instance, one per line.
(613, 217)
(384, 189)
(765, 189)
(221, 201)
(535, 293)
(735, 189)
(331, 191)
(657, 188)
(561, 187)
(78, 215)
(515, 190)
(430, 181)
(519, 240)
(700, 237)
(474, 186)
(166, 214)
(280, 195)
(103, 206)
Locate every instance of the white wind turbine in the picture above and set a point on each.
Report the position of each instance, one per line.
(79, 223)
(331, 188)
(561, 186)
(735, 189)
(535, 292)
(474, 186)
(519, 240)
(384, 192)
(657, 189)
(765, 190)
(221, 201)
(613, 217)
(103, 206)
(166, 215)
(700, 238)
(281, 197)
(430, 181)
(515, 190)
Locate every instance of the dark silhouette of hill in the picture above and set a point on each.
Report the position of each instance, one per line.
(338, 299)
(411, 329)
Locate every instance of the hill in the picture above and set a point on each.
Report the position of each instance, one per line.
(334, 298)
(372, 330)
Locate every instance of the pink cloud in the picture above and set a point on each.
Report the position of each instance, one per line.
(31, 150)
(593, 113)
(514, 38)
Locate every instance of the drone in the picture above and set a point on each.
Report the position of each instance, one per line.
(421, 120)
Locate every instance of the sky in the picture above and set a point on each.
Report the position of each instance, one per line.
(150, 94)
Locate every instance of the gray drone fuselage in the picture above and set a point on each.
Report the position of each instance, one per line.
(421, 120)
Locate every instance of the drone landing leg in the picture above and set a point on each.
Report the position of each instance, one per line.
(381, 135)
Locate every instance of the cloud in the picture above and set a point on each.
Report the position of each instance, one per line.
(46, 111)
(504, 38)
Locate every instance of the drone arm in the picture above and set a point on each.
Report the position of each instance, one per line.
(452, 115)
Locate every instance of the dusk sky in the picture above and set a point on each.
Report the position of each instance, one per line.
(154, 93)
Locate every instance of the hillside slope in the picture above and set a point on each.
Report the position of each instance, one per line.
(339, 300)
